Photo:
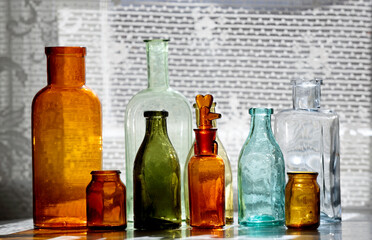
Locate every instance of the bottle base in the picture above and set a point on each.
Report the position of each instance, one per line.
(121, 227)
(156, 224)
(324, 218)
(61, 223)
(302, 226)
(261, 221)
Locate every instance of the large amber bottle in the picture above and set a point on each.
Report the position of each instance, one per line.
(66, 141)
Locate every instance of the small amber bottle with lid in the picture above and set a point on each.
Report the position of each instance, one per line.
(106, 201)
(302, 200)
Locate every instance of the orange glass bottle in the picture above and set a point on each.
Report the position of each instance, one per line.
(66, 141)
(206, 172)
(302, 200)
(106, 201)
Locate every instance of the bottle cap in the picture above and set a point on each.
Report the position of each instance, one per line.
(204, 104)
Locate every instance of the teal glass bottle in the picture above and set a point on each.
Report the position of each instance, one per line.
(261, 174)
(156, 178)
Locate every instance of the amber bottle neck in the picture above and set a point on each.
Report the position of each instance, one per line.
(66, 70)
(302, 176)
(205, 142)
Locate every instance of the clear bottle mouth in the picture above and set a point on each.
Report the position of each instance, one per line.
(307, 82)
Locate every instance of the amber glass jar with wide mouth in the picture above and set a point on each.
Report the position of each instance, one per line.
(106, 201)
(302, 200)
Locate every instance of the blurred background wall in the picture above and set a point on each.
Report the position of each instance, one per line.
(243, 52)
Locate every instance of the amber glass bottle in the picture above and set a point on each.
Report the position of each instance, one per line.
(66, 141)
(106, 201)
(206, 172)
(302, 200)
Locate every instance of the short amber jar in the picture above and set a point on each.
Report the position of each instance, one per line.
(106, 201)
(302, 200)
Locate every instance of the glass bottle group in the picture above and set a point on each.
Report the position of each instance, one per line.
(160, 174)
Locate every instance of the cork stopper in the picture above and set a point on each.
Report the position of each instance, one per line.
(204, 104)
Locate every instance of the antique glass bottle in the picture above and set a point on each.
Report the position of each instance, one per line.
(156, 97)
(261, 177)
(106, 201)
(156, 178)
(309, 138)
(66, 141)
(229, 204)
(206, 172)
(302, 200)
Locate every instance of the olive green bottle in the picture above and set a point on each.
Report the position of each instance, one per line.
(156, 178)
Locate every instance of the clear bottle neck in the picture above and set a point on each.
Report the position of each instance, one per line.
(261, 122)
(306, 94)
(157, 63)
(66, 66)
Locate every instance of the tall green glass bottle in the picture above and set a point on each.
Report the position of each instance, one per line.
(156, 178)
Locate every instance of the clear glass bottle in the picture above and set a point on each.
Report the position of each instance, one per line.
(206, 172)
(229, 203)
(302, 200)
(156, 178)
(156, 97)
(309, 138)
(106, 201)
(261, 176)
(66, 141)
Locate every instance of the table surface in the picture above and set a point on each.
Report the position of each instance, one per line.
(356, 225)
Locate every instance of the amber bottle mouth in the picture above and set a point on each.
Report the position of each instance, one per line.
(80, 51)
(302, 173)
(105, 172)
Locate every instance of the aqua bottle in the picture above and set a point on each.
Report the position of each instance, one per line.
(261, 174)
(156, 178)
(157, 96)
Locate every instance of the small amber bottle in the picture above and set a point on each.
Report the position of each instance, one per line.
(302, 200)
(106, 201)
(206, 172)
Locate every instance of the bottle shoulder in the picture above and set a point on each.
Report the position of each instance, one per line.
(215, 159)
(82, 95)
(306, 114)
(169, 100)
